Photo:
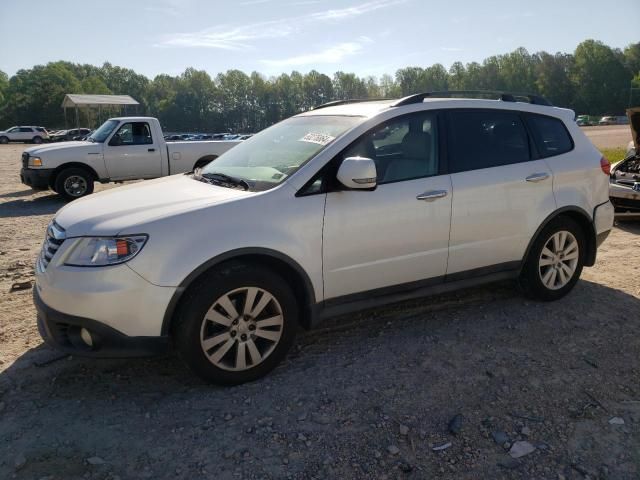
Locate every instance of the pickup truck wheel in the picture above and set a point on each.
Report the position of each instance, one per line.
(555, 260)
(4, 140)
(36, 139)
(73, 183)
(237, 324)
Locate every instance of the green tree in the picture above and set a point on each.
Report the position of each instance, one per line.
(600, 78)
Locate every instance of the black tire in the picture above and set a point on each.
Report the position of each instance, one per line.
(37, 139)
(531, 277)
(189, 326)
(4, 140)
(66, 190)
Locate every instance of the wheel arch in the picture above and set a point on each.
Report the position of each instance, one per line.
(64, 166)
(202, 161)
(583, 219)
(289, 269)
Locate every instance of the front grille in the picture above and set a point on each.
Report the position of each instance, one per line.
(25, 159)
(54, 238)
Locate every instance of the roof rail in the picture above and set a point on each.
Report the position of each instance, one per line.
(345, 102)
(498, 95)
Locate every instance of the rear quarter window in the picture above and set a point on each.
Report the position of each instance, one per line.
(550, 135)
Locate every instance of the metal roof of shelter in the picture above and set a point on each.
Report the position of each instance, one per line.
(77, 100)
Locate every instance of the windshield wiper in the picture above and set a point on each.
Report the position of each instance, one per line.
(223, 179)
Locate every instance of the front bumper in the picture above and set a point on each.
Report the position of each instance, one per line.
(63, 332)
(624, 198)
(36, 178)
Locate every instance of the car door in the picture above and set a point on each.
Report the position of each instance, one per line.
(501, 192)
(25, 134)
(398, 233)
(133, 153)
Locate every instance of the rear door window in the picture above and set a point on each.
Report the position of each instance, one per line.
(486, 138)
(550, 135)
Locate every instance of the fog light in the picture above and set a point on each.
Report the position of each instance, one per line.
(86, 337)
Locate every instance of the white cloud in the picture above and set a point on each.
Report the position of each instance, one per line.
(356, 10)
(229, 38)
(242, 37)
(333, 54)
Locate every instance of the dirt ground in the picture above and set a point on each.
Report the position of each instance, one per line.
(610, 136)
(366, 396)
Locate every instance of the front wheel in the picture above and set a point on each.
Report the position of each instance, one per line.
(4, 140)
(73, 183)
(555, 261)
(236, 324)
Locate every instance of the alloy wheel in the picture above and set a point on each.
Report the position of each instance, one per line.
(75, 186)
(241, 329)
(558, 260)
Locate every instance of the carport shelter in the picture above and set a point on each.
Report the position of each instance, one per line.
(73, 100)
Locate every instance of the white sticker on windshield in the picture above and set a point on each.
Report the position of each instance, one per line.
(319, 138)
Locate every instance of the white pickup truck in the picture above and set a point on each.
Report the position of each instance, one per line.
(124, 148)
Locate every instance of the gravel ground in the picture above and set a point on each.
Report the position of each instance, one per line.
(609, 136)
(366, 396)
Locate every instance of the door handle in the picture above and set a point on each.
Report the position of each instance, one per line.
(537, 177)
(432, 195)
(151, 149)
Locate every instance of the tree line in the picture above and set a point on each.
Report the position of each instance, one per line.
(595, 79)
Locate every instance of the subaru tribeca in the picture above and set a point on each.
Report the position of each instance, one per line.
(349, 206)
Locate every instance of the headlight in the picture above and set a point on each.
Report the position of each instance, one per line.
(102, 251)
(35, 162)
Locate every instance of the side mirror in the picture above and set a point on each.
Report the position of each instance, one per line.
(358, 173)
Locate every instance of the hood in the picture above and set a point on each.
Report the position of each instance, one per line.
(55, 147)
(633, 114)
(125, 209)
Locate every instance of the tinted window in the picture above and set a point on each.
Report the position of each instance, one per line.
(403, 148)
(550, 135)
(486, 138)
(25, 129)
(134, 133)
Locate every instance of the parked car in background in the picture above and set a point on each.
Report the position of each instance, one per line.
(614, 120)
(609, 120)
(69, 135)
(624, 185)
(585, 121)
(316, 216)
(26, 134)
(124, 148)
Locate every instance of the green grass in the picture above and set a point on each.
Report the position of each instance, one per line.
(614, 154)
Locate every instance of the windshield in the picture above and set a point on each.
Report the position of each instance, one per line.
(101, 134)
(268, 158)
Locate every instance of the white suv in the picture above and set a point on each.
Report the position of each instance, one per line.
(348, 206)
(24, 134)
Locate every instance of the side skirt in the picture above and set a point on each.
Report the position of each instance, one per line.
(410, 291)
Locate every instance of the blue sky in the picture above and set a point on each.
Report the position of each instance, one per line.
(369, 37)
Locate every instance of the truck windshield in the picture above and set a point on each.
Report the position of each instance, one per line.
(268, 158)
(101, 134)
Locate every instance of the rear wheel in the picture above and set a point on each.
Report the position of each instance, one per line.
(73, 183)
(36, 139)
(555, 261)
(236, 324)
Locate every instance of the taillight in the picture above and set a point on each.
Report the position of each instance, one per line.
(605, 166)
